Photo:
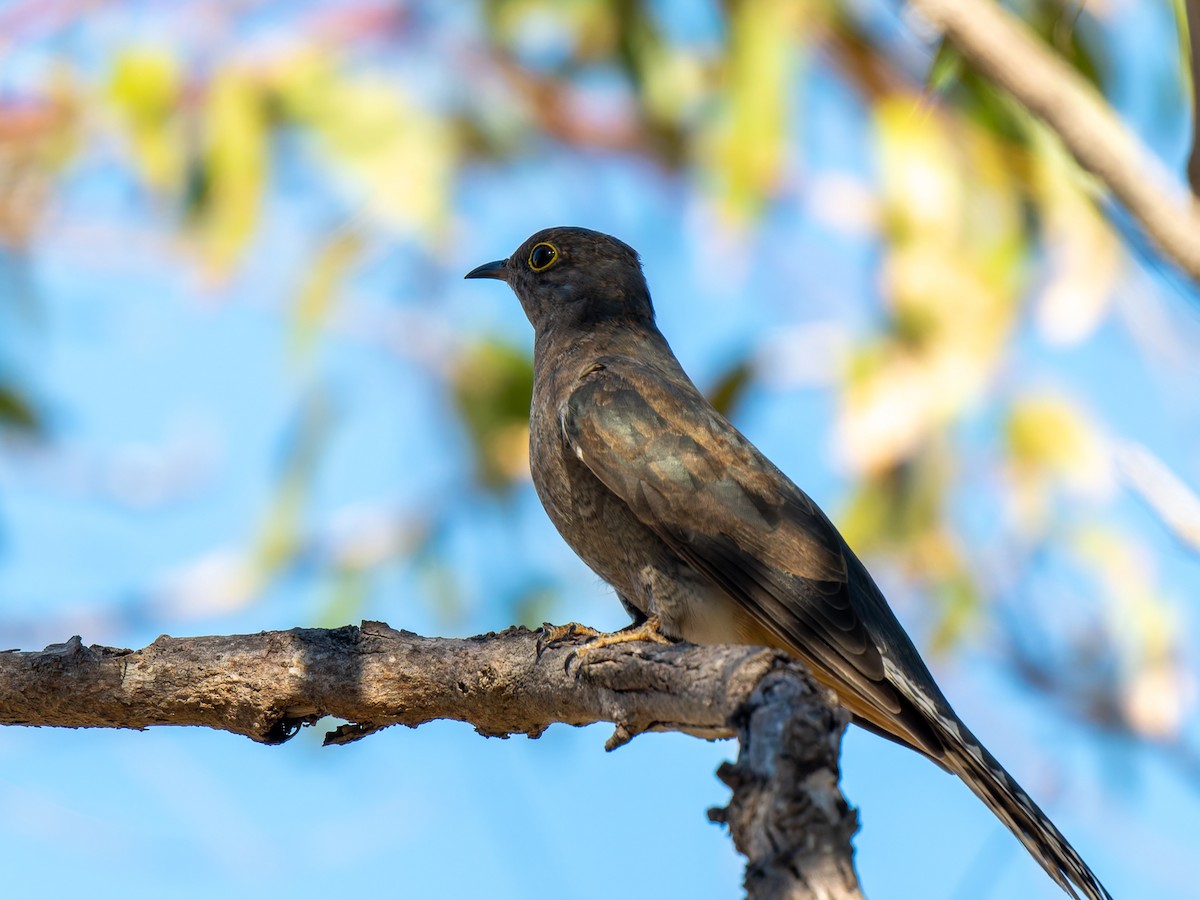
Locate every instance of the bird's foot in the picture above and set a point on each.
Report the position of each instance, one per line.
(649, 629)
(553, 635)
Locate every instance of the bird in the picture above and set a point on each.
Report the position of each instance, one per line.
(702, 537)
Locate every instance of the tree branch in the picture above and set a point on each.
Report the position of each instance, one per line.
(786, 814)
(783, 781)
(1193, 28)
(1004, 50)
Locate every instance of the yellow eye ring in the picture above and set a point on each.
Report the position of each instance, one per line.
(542, 256)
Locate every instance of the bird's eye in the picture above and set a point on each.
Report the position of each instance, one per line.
(542, 256)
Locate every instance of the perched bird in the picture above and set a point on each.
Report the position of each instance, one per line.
(702, 537)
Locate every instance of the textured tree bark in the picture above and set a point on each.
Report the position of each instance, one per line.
(787, 816)
(786, 813)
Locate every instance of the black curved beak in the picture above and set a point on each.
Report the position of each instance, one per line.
(497, 269)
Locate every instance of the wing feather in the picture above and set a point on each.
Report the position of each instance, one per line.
(728, 512)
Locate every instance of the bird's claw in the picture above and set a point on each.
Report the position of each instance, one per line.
(649, 629)
(553, 635)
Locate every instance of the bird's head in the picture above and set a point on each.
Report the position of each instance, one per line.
(574, 277)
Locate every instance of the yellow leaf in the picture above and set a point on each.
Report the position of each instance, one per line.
(746, 148)
(397, 157)
(922, 182)
(1049, 437)
(235, 165)
(318, 293)
(145, 86)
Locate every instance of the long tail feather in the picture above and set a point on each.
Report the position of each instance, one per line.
(970, 760)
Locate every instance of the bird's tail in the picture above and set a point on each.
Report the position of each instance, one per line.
(970, 761)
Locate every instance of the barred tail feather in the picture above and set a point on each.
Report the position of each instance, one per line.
(970, 760)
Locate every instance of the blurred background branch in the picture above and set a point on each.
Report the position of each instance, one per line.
(1005, 52)
(1192, 23)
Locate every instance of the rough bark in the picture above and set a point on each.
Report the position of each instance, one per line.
(786, 813)
(787, 816)
(1004, 50)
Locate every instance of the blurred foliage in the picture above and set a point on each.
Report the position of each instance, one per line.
(492, 384)
(146, 89)
(731, 386)
(318, 292)
(399, 155)
(280, 535)
(1151, 683)
(744, 146)
(1050, 443)
(986, 227)
(228, 185)
(16, 413)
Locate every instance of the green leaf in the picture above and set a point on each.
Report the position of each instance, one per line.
(492, 384)
(279, 538)
(235, 165)
(535, 605)
(946, 70)
(350, 590)
(17, 413)
(748, 143)
(319, 290)
(731, 387)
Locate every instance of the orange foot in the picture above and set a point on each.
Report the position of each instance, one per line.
(553, 635)
(648, 630)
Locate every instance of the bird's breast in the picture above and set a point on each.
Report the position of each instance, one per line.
(617, 546)
(597, 525)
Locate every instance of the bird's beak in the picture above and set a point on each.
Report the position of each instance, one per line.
(497, 269)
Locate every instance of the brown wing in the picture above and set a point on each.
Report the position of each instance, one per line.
(727, 511)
